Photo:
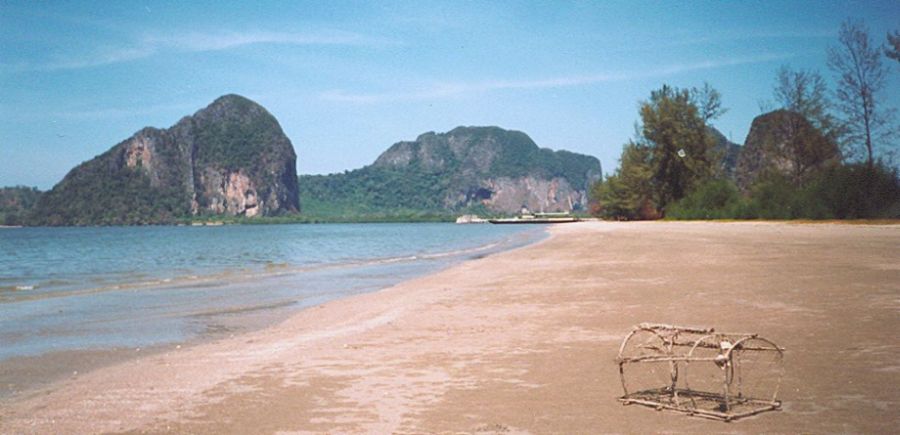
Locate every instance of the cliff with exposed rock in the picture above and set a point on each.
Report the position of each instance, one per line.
(486, 169)
(785, 143)
(230, 158)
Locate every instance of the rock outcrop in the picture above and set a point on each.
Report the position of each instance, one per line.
(467, 168)
(509, 194)
(785, 143)
(727, 153)
(230, 158)
(503, 170)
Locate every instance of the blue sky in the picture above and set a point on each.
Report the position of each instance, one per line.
(348, 79)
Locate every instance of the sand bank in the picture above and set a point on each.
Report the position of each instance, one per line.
(524, 341)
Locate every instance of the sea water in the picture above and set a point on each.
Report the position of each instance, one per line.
(110, 287)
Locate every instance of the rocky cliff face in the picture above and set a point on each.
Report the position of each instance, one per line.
(473, 170)
(785, 143)
(509, 195)
(500, 169)
(727, 152)
(229, 158)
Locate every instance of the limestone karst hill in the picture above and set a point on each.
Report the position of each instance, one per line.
(230, 158)
(468, 168)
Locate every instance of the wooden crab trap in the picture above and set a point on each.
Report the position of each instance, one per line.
(723, 376)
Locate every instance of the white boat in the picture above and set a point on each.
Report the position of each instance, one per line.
(527, 217)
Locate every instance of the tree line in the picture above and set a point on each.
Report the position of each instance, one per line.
(822, 154)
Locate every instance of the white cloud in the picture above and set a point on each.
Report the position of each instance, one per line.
(197, 42)
(112, 56)
(201, 42)
(455, 90)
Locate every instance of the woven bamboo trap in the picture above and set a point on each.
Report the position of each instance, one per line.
(701, 372)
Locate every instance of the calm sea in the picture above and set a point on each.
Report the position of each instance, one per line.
(95, 288)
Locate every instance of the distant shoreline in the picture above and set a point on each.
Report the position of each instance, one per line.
(268, 220)
(449, 218)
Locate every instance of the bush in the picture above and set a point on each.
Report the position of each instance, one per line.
(774, 197)
(854, 191)
(858, 191)
(713, 199)
(628, 193)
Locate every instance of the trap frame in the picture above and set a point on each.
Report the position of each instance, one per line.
(732, 375)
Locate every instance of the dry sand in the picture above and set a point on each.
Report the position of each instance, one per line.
(524, 341)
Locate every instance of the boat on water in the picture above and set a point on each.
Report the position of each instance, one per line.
(470, 219)
(527, 217)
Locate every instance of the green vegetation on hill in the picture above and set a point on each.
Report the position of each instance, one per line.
(545, 163)
(508, 153)
(108, 196)
(375, 193)
(442, 175)
(230, 158)
(233, 144)
(16, 204)
(518, 154)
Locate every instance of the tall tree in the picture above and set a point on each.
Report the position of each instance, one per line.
(628, 193)
(681, 148)
(674, 152)
(805, 92)
(708, 102)
(861, 78)
(893, 46)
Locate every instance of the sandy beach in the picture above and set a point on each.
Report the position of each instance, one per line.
(524, 341)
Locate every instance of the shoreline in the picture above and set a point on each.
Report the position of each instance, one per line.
(523, 341)
(30, 375)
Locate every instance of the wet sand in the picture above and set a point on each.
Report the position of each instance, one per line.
(524, 341)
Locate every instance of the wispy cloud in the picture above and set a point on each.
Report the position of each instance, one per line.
(100, 58)
(459, 89)
(119, 112)
(200, 42)
(757, 36)
(196, 42)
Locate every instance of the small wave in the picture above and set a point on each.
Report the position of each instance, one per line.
(428, 256)
(54, 284)
(270, 266)
(190, 278)
(462, 251)
(15, 288)
(389, 260)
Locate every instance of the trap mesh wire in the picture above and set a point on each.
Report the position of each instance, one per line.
(699, 371)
